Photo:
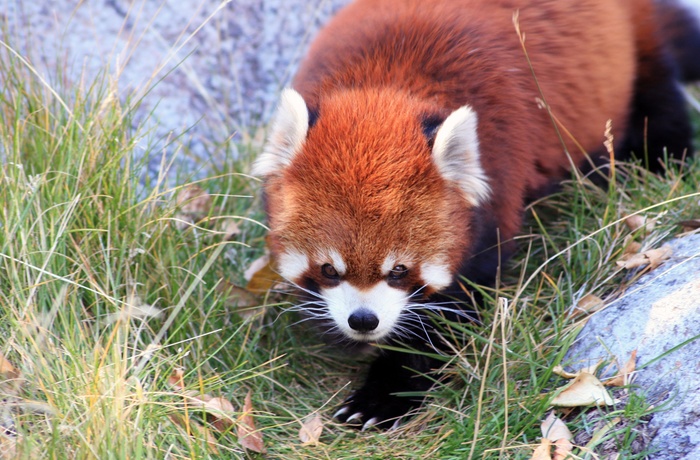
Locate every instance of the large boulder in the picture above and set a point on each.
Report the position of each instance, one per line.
(215, 67)
(659, 316)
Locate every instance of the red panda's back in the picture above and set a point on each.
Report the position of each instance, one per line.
(453, 53)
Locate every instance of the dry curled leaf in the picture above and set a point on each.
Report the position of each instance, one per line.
(559, 370)
(623, 375)
(690, 225)
(592, 369)
(193, 398)
(229, 227)
(311, 429)
(248, 436)
(553, 428)
(590, 304)
(193, 205)
(220, 412)
(584, 390)
(261, 275)
(175, 380)
(651, 257)
(543, 451)
(7, 370)
(193, 200)
(562, 449)
(638, 221)
(658, 256)
(244, 302)
(556, 431)
(633, 247)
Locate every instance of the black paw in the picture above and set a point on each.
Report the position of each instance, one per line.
(368, 408)
(394, 386)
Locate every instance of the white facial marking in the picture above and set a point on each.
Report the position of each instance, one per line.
(337, 262)
(392, 260)
(385, 302)
(456, 155)
(436, 275)
(287, 135)
(292, 264)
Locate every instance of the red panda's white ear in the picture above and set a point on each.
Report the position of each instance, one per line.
(287, 134)
(456, 154)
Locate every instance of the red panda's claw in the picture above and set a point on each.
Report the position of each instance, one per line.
(355, 416)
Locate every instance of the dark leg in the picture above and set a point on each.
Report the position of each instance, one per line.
(379, 401)
(659, 124)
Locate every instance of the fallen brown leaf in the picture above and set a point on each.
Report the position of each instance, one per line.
(622, 377)
(229, 227)
(658, 256)
(584, 390)
(553, 428)
(632, 248)
(220, 412)
(689, 225)
(194, 200)
(556, 431)
(261, 275)
(562, 449)
(543, 451)
(592, 369)
(175, 380)
(311, 429)
(633, 261)
(590, 304)
(559, 370)
(637, 221)
(7, 370)
(240, 299)
(193, 205)
(248, 436)
(651, 257)
(193, 398)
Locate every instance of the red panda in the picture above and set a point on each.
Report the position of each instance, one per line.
(416, 133)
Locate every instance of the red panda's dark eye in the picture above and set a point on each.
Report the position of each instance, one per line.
(398, 272)
(329, 271)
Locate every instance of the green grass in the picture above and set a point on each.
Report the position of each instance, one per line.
(82, 237)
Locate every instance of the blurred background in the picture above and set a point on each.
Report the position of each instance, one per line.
(210, 69)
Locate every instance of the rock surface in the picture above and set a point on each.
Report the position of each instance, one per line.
(659, 316)
(219, 65)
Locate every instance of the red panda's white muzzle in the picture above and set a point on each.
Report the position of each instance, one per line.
(365, 314)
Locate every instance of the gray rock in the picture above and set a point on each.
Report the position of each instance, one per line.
(219, 65)
(659, 316)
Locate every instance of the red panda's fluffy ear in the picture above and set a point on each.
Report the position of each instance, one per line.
(456, 154)
(287, 134)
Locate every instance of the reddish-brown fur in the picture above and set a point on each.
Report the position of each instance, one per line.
(393, 197)
(368, 205)
(379, 66)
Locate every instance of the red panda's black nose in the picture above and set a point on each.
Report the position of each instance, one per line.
(363, 320)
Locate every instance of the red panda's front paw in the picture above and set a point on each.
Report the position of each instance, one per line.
(394, 387)
(367, 408)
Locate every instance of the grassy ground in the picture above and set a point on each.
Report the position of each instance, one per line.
(105, 295)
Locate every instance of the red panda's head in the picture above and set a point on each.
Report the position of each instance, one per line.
(366, 211)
